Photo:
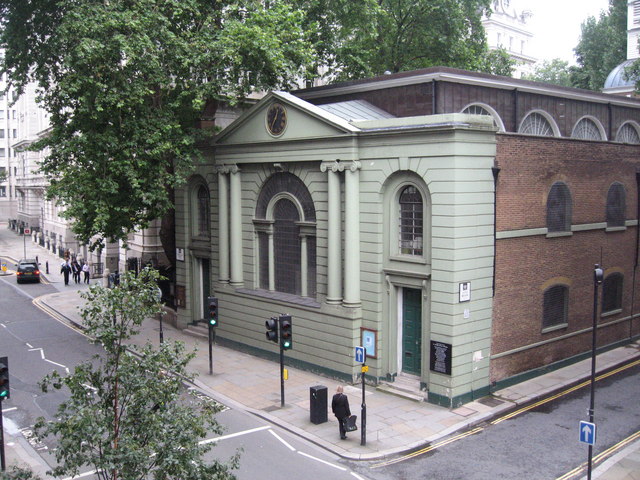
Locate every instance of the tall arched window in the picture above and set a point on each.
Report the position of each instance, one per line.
(616, 205)
(411, 221)
(559, 208)
(203, 210)
(612, 293)
(556, 306)
(285, 225)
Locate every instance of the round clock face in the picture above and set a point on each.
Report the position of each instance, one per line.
(276, 119)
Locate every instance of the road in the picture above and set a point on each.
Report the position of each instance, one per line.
(37, 344)
(540, 442)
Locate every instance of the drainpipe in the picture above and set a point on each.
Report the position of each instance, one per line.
(635, 262)
(496, 172)
(434, 99)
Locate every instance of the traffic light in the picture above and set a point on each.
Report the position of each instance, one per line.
(213, 311)
(4, 378)
(286, 332)
(272, 329)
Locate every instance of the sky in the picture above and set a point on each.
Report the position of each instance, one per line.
(556, 25)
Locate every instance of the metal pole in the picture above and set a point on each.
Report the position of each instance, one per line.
(210, 350)
(597, 280)
(161, 332)
(363, 407)
(3, 465)
(281, 376)
(24, 244)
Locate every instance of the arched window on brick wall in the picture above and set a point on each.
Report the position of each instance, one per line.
(538, 123)
(616, 205)
(556, 306)
(628, 133)
(612, 293)
(559, 208)
(588, 129)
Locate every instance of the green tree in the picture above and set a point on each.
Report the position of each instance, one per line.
(556, 72)
(370, 37)
(602, 47)
(125, 417)
(125, 81)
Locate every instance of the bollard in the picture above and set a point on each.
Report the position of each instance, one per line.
(47, 266)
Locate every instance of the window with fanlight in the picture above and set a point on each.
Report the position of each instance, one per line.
(411, 221)
(536, 124)
(587, 129)
(628, 133)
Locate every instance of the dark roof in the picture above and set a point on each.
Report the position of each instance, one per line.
(617, 78)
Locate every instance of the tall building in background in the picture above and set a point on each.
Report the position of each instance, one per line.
(507, 28)
(8, 134)
(617, 83)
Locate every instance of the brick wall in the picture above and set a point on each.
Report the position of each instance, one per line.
(527, 265)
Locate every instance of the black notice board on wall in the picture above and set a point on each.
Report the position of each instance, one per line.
(441, 357)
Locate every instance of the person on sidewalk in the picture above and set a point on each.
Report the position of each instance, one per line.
(85, 270)
(65, 269)
(340, 408)
(76, 269)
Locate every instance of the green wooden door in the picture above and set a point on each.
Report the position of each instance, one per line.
(411, 330)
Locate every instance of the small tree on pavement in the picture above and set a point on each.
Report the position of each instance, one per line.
(126, 416)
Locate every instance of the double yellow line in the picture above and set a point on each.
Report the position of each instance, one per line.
(515, 413)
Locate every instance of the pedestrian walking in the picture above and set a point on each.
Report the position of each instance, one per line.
(85, 270)
(76, 269)
(65, 269)
(340, 408)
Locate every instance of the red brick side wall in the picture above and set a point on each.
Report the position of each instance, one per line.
(526, 266)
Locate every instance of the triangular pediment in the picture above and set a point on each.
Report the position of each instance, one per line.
(282, 117)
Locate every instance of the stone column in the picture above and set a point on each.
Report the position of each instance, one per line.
(235, 210)
(334, 237)
(223, 224)
(352, 235)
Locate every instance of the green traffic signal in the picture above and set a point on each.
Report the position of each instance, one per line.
(286, 332)
(4, 378)
(213, 311)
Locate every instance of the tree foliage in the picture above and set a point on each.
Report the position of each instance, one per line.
(602, 47)
(124, 82)
(556, 72)
(369, 37)
(125, 417)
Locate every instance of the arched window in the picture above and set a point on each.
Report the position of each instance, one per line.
(203, 210)
(556, 306)
(587, 129)
(285, 226)
(612, 293)
(628, 133)
(536, 124)
(616, 205)
(559, 208)
(478, 109)
(411, 221)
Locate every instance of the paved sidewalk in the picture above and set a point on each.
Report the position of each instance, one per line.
(394, 424)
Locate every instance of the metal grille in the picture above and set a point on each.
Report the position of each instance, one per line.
(556, 301)
(612, 293)
(536, 124)
(586, 129)
(287, 247)
(263, 262)
(203, 211)
(411, 221)
(628, 134)
(616, 205)
(559, 208)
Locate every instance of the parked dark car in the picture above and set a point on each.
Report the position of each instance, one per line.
(28, 271)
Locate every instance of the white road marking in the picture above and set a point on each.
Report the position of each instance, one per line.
(232, 435)
(9, 409)
(357, 476)
(282, 440)
(47, 360)
(338, 467)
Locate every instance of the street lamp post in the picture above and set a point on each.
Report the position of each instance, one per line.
(598, 276)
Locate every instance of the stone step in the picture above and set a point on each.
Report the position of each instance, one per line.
(415, 395)
(197, 330)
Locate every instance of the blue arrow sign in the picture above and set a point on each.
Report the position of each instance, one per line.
(360, 355)
(588, 432)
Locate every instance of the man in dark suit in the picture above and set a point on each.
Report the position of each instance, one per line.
(340, 408)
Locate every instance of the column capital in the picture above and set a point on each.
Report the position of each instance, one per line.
(354, 165)
(335, 166)
(227, 169)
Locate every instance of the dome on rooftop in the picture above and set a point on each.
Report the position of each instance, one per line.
(616, 78)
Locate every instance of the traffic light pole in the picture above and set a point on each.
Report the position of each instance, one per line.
(281, 376)
(3, 465)
(363, 407)
(212, 335)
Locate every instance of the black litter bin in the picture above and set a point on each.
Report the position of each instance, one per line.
(318, 404)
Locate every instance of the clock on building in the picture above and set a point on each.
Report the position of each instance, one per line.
(276, 119)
